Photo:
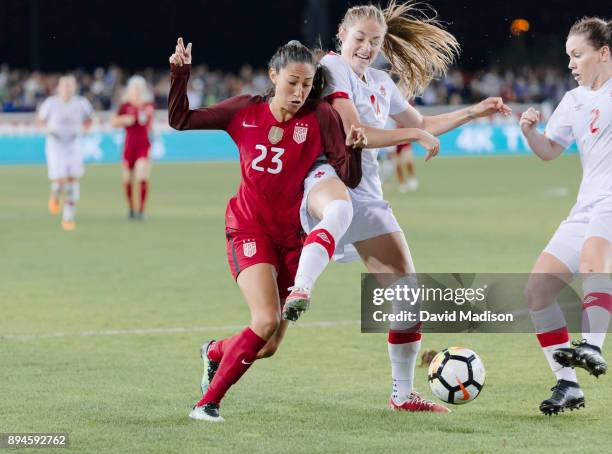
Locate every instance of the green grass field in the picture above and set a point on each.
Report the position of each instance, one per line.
(100, 327)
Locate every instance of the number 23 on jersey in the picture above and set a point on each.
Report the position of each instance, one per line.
(276, 164)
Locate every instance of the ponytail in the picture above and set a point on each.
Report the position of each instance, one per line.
(416, 45)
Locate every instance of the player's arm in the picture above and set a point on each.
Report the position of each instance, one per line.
(42, 115)
(439, 124)
(122, 119)
(180, 116)
(546, 149)
(381, 138)
(339, 148)
(88, 115)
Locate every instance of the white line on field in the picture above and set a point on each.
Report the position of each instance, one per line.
(194, 329)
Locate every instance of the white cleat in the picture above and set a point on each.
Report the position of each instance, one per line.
(207, 412)
(296, 303)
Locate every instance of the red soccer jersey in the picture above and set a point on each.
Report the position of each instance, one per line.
(275, 157)
(137, 135)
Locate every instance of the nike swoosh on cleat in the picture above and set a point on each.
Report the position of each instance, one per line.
(466, 393)
(245, 363)
(248, 126)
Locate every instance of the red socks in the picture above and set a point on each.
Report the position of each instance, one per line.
(128, 193)
(237, 357)
(144, 187)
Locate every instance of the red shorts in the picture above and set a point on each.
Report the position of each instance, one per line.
(247, 249)
(403, 146)
(130, 157)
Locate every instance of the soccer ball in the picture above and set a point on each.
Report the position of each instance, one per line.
(456, 375)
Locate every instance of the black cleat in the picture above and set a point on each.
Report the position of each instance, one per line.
(566, 395)
(131, 214)
(210, 367)
(582, 355)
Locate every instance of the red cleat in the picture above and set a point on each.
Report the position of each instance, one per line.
(415, 402)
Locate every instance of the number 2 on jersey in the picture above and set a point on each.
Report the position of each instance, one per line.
(278, 152)
(594, 128)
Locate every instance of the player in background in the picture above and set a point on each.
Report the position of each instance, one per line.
(65, 116)
(135, 114)
(417, 49)
(402, 160)
(279, 137)
(583, 242)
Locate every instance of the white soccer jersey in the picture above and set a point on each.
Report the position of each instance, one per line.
(585, 116)
(375, 98)
(64, 119)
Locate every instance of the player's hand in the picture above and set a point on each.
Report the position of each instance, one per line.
(529, 120)
(356, 138)
(430, 143)
(490, 106)
(128, 119)
(182, 54)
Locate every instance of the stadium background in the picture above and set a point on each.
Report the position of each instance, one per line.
(100, 328)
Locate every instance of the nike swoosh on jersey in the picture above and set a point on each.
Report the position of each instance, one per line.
(248, 125)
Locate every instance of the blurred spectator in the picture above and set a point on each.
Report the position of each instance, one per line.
(23, 91)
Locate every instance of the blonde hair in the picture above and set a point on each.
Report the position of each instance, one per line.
(415, 44)
(137, 82)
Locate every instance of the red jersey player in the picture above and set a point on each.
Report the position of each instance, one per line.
(279, 138)
(136, 116)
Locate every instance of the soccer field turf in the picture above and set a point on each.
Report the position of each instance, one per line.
(100, 327)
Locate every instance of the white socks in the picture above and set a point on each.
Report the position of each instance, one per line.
(72, 197)
(56, 190)
(551, 331)
(596, 307)
(403, 361)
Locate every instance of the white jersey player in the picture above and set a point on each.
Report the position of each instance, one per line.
(360, 222)
(65, 115)
(583, 241)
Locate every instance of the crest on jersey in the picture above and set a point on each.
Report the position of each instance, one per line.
(300, 133)
(383, 91)
(324, 237)
(275, 135)
(249, 249)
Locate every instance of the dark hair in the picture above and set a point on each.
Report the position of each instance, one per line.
(597, 31)
(295, 52)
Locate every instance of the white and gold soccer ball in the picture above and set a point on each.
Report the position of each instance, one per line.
(456, 375)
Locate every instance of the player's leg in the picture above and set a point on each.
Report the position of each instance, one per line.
(388, 256)
(595, 268)
(397, 163)
(329, 203)
(258, 286)
(75, 171)
(412, 183)
(274, 342)
(142, 174)
(53, 205)
(552, 272)
(73, 193)
(57, 181)
(127, 175)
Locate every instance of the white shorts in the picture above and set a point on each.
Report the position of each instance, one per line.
(64, 162)
(582, 223)
(371, 217)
